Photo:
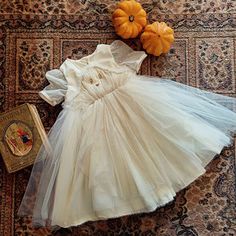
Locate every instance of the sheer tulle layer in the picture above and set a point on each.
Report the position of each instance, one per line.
(130, 151)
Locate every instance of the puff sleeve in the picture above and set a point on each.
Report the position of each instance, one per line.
(54, 93)
(125, 55)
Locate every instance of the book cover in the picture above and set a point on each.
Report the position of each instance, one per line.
(21, 135)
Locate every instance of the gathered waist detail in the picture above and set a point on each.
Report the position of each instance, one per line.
(88, 97)
(94, 85)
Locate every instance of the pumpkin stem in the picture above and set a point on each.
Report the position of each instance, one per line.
(131, 18)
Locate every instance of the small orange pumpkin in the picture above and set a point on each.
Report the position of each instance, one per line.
(157, 38)
(129, 19)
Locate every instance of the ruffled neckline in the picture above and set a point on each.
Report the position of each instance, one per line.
(109, 62)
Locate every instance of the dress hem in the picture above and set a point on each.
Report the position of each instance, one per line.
(148, 208)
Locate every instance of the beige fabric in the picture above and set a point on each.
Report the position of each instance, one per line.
(123, 143)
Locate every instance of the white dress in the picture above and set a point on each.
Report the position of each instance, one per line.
(123, 143)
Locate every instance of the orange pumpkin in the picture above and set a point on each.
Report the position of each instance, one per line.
(129, 19)
(157, 38)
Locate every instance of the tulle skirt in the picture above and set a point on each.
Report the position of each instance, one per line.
(130, 151)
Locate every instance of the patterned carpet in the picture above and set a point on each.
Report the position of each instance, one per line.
(36, 36)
